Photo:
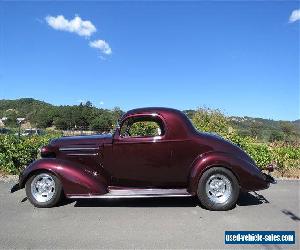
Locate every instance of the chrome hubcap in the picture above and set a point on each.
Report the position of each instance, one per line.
(43, 187)
(218, 188)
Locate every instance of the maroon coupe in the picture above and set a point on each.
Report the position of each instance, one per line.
(171, 159)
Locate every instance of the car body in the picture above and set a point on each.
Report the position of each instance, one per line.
(176, 161)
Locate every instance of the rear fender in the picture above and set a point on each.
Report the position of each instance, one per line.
(76, 178)
(248, 175)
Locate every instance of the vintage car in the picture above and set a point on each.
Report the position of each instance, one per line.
(154, 152)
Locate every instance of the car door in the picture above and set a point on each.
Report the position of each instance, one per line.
(141, 157)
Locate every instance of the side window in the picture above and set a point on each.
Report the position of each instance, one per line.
(145, 126)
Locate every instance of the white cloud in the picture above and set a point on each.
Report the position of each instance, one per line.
(76, 25)
(295, 16)
(101, 103)
(82, 28)
(102, 45)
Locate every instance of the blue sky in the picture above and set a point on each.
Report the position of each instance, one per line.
(239, 56)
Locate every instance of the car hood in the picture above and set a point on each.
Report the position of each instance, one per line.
(82, 140)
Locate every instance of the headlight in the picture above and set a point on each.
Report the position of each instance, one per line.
(47, 152)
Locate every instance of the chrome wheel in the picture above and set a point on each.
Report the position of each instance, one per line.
(43, 187)
(218, 188)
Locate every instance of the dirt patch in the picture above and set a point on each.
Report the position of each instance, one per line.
(288, 174)
(8, 178)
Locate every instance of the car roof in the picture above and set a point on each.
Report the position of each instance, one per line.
(177, 122)
(149, 110)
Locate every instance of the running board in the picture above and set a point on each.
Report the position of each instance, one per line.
(116, 192)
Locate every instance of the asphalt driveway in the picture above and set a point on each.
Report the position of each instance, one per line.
(145, 223)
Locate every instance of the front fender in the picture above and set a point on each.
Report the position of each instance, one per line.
(248, 175)
(76, 178)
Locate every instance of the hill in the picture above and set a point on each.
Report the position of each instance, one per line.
(41, 114)
(260, 128)
(264, 129)
(86, 116)
(297, 123)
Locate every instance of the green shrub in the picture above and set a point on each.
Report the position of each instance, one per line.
(144, 129)
(285, 155)
(210, 120)
(15, 154)
(260, 153)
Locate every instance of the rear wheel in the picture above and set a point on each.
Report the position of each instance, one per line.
(44, 189)
(218, 189)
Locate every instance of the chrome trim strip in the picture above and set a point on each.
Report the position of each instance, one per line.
(109, 196)
(82, 154)
(117, 192)
(75, 149)
(146, 191)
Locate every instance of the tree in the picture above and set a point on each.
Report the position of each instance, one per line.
(44, 120)
(102, 123)
(255, 129)
(276, 136)
(288, 130)
(189, 113)
(116, 114)
(11, 115)
(211, 120)
(61, 123)
(88, 104)
(80, 116)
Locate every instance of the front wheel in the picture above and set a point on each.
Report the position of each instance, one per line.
(218, 189)
(43, 190)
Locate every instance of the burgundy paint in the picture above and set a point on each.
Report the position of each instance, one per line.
(176, 160)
